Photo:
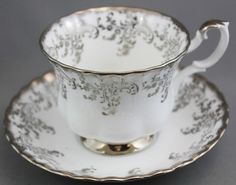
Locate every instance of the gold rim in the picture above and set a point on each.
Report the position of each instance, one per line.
(147, 11)
(44, 78)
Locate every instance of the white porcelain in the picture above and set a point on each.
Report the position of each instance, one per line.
(37, 131)
(117, 69)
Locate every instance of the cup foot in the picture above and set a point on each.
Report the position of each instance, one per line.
(117, 149)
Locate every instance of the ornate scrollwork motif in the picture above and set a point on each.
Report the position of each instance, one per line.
(108, 90)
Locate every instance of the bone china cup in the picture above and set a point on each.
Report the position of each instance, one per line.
(117, 72)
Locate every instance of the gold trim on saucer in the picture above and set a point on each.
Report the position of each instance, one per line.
(49, 76)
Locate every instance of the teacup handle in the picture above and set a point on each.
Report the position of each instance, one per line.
(202, 65)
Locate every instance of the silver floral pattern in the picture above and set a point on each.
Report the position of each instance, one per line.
(194, 147)
(159, 83)
(30, 127)
(124, 32)
(122, 27)
(108, 90)
(135, 171)
(209, 113)
(66, 45)
(85, 171)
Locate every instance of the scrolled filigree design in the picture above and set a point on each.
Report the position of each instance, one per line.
(29, 127)
(208, 113)
(108, 91)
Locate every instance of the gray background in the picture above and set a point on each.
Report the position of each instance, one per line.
(21, 60)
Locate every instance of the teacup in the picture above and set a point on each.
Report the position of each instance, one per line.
(117, 72)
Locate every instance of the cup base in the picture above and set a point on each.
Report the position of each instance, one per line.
(117, 149)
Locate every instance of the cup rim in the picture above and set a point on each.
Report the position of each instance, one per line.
(106, 8)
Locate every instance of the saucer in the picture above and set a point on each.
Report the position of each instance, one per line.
(38, 133)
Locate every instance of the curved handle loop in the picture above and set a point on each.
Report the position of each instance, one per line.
(202, 65)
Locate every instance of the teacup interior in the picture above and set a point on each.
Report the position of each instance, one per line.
(114, 39)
